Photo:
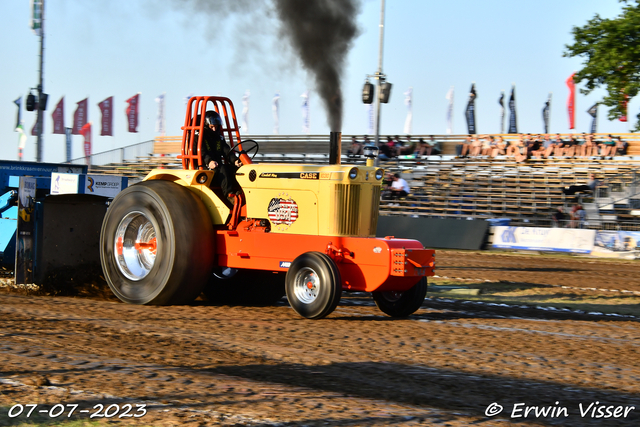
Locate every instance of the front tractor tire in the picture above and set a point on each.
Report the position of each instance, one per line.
(157, 244)
(313, 285)
(401, 304)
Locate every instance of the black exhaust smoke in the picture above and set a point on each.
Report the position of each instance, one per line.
(322, 32)
(335, 148)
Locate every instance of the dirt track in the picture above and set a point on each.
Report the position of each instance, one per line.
(211, 365)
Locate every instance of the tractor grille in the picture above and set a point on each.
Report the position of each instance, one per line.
(347, 209)
(375, 207)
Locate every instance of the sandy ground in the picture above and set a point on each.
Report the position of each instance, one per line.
(451, 364)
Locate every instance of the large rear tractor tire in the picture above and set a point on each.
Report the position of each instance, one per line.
(230, 286)
(157, 244)
(314, 285)
(402, 304)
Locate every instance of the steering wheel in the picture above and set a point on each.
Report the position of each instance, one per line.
(252, 148)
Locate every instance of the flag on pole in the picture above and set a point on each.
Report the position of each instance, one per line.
(545, 114)
(471, 111)
(305, 112)
(86, 133)
(571, 102)
(58, 117)
(22, 140)
(275, 107)
(502, 111)
(18, 103)
(513, 123)
(36, 17)
(106, 108)
(408, 102)
(160, 122)
(80, 117)
(593, 112)
(132, 112)
(450, 111)
(245, 111)
(34, 129)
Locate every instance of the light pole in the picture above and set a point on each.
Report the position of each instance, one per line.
(384, 88)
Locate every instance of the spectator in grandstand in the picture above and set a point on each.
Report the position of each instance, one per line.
(607, 147)
(558, 217)
(476, 146)
(355, 149)
(405, 149)
(523, 150)
(569, 146)
(621, 147)
(463, 148)
(399, 187)
(501, 147)
(588, 148)
(423, 148)
(590, 186)
(384, 152)
(386, 186)
(488, 144)
(552, 145)
(514, 146)
(436, 147)
(578, 216)
(536, 147)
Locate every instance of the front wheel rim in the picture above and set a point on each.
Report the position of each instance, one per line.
(306, 285)
(135, 245)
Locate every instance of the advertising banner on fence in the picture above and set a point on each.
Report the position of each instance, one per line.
(544, 239)
(617, 244)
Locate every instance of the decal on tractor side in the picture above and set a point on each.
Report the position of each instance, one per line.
(292, 175)
(283, 211)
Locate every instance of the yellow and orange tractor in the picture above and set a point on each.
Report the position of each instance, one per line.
(304, 230)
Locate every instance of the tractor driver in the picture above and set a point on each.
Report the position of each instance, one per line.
(214, 149)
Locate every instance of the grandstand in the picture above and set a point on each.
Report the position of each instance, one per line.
(445, 186)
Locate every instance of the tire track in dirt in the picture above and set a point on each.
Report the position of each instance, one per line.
(260, 360)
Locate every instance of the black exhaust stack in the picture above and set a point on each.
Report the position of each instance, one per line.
(335, 148)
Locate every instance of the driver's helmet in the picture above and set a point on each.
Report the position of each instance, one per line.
(212, 118)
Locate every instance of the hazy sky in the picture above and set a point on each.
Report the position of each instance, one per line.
(119, 48)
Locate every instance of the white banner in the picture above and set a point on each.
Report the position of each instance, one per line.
(99, 185)
(544, 239)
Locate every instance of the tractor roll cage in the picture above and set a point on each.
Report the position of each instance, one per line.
(197, 106)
